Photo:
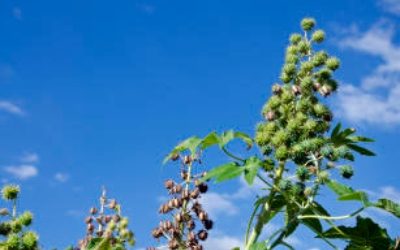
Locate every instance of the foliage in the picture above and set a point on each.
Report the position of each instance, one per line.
(13, 226)
(300, 151)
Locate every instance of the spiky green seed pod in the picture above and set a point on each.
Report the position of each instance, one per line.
(304, 105)
(301, 117)
(308, 191)
(333, 63)
(306, 83)
(318, 36)
(302, 173)
(298, 188)
(281, 153)
(273, 103)
(111, 225)
(16, 226)
(320, 110)
(341, 151)
(323, 177)
(292, 50)
(284, 184)
(13, 241)
(26, 218)
(295, 38)
(306, 67)
(123, 223)
(304, 47)
(308, 24)
(289, 69)
(10, 192)
(326, 151)
(319, 58)
(30, 240)
(291, 58)
(276, 89)
(279, 138)
(286, 78)
(346, 171)
(324, 74)
(310, 125)
(268, 164)
(287, 96)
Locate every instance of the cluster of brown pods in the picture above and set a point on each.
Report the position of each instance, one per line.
(106, 223)
(190, 222)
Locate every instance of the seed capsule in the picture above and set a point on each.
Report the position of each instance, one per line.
(116, 218)
(202, 235)
(169, 184)
(173, 244)
(93, 211)
(90, 228)
(296, 90)
(276, 89)
(112, 204)
(187, 159)
(316, 86)
(191, 225)
(202, 187)
(208, 224)
(175, 157)
(270, 115)
(325, 90)
(195, 193)
(88, 220)
(203, 216)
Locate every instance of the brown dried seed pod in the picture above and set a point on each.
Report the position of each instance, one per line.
(203, 216)
(316, 86)
(173, 244)
(99, 233)
(208, 224)
(325, 90)
(276, 89)
(178, 188)
(191, 236)
(184, 175)
(116, 218)
(190, 225)
(169, 184)
(202, 234)
(203, 187)
(100, 219)
(93, 211)
(90, 228)
(175, 157)
(113, 204)
(88, 219)
(176, 203)
(270, 115)
(187, 159)
(107, 218)
(296, 90)
(185, 194)
(195, 193)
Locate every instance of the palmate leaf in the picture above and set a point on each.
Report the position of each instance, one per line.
(389, 206)
(190, 144)
(365, 235)
(224, 172)
(361, 150)
(251, 167)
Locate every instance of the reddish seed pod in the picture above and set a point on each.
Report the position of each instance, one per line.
(184, 175)
(88, 220)
(175, 157)
(178, 188)
(203, 187)
(191, 236)
(296, 90)
(190, 225)
(99, 233)
(203, 216)
(99, 219)
(195, 193)
(187, 159)
(169, 184)
(325, 90)
(208, 224)
(107, 218)
(116, 218)
(93, 211)
(202, 235)
(185, 194)
(113, 204)
(173, 244)
(90, 228)
(316, 86)
(270, 115)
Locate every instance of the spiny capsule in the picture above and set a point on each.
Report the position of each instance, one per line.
(208, 224)
(296, 90)
(325, 90)
(187, 159)
(173, 244)
(190, 225)
(276, 89)
(195, 193)
(88, 220)
(203, 216)
(316, 86)
(90, 228)
(175, 157)
(202, 187)
(112, 204)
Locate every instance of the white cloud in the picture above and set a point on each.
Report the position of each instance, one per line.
(61, 177)
(30, 158)
(391, 6)
(22, 172)
(391, 193)
(216, 204)
(222, 242)
(11, 108)
(376, 100)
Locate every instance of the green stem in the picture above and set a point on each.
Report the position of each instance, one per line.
(14, 210)
(232, 155)
(322, 217)
(264, 213)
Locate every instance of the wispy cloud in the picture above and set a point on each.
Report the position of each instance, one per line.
(221, 241)
(216, 204)
(376, 100)
(30, 158)
(22, 172)
(61, 177)
(391, 6)
(11, 108)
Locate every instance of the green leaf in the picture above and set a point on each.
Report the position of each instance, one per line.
(365, 235)
(251, 167)
(336, 130)
(224, 172)
(190, 144)
(258, 246)
(389, 206)
(210, 140)
(226, 137)
(347, 193)
(361, 150)
(291, 222)
(246, 138)
(360, 139)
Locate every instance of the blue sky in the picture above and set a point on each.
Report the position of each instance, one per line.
(95, 93)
